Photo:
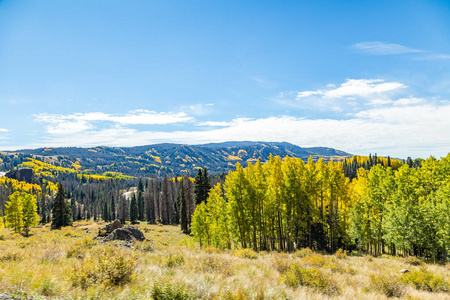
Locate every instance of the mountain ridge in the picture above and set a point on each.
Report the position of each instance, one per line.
(178, 159)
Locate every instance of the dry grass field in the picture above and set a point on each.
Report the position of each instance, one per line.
(70, 264)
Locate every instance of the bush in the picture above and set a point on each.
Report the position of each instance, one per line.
(311, 277)
(144, 246)
(212, 250)
(282, 265)
(388, 285)
(340, 254)
(11, 255)
(315, 259)
(302, 253)
(423, 280)
(108, 265)
(80, 247)
(174, 260)
(170, 291)
(214, 264)
(246, 253)
(413, 261)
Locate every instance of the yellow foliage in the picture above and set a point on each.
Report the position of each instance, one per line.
(233, 158)
(20, 186)
(156, 158)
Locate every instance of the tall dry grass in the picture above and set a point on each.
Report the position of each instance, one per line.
(172, 266)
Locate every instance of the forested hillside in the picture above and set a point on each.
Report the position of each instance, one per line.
(175, 159)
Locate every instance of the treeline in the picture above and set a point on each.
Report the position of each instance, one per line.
(287, 205)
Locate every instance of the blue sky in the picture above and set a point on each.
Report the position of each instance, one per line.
(360, 76)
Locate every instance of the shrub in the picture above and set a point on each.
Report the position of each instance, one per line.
(315, 259)
(311, 277)
(144, 246)
(11, 255)
(239, 294)
(108, 265)
(211, 250)
(340, 254)
(174, 260)
(423, 280)
(302, 253)
(80, 247)
(214, 264)
(170, 291)
(388, 285)
(413, 261)
(246, 253)
(282, 265)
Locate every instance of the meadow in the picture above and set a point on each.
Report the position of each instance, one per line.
(70, 264)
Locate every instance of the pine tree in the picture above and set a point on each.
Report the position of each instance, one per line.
(140, 201)
(113, 208)
(165, 196)
(105, 212)
(14, 212)
(30, 216)
(149, 197)
(198, 187)
(206, 186)
(183, 209)
(123, 210)
(134, 210)
(61, 214)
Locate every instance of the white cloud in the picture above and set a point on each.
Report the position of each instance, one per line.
(381, 48)
(307, 94)
(198, 109)
(351, 89)
(379, 102)
(214, 124)
(399, 131)
(81, 122)
(363, 88)
(408, 101)
(3, 130)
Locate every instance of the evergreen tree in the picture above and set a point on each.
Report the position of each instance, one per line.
(105, 212)
(113, 208)
(140, 201)
(198, 187)
(165, 197)
(61, 214)
(183, 209)
(134, 210)
(123, 210)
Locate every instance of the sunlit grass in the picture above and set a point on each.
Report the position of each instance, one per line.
(170, 265)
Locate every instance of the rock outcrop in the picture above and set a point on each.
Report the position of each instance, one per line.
(108, 229)
(127, 233)
(22, 174)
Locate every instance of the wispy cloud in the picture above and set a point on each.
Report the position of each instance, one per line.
(382, 48)
(198, 109)
(3, 130)
(81, 122)
(354, 88)
(346, 97)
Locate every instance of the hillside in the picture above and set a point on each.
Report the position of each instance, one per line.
(177, 158)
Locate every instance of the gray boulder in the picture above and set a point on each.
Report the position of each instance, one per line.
(108, 229)
(127, 233)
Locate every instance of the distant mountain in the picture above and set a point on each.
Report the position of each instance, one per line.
(177, 158)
